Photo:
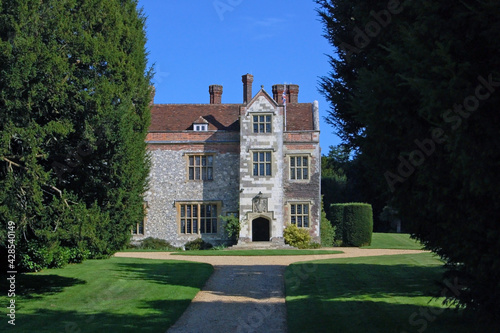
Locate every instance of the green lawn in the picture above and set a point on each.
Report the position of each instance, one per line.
(393, 241)
(371, 294)
(112, 295)
(255, 252)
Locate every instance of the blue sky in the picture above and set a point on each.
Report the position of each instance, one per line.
(196, 43)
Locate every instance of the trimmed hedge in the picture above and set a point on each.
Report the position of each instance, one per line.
(336, 218)
(354, 223)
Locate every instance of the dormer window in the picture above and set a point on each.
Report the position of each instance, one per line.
(200, 127)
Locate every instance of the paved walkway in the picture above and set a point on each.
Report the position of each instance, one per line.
(245, 294)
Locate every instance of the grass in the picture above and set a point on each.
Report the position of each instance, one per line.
(147, 250)
(112, 295)
(254, 252)
(393, 241)
(370, 294)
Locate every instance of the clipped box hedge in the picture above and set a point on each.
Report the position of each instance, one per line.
(354, 223)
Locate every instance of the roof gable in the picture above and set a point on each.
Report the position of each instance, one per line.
(262, 97)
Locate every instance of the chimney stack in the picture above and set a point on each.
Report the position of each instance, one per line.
(278, 93)
(247, 80)
(293, 92)
(215, 91)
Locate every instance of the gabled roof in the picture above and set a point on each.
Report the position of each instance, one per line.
(264, 93)
(201, 120)
(180, 117)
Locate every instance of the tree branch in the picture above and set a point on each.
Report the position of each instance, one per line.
(51, 186)
(11, 163)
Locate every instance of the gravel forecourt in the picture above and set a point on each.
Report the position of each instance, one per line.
(245, 293)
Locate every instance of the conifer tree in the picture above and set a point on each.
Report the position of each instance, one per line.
(74, 112)
(415, 87)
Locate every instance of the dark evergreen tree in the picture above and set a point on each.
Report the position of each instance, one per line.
(74, 112)
(415, 88)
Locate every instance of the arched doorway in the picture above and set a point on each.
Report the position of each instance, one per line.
(260, 229)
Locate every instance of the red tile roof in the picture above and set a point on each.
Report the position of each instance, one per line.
(180, 117)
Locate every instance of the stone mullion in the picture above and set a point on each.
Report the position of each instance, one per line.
(199, 218)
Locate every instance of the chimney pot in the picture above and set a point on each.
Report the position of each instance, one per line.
(215, 91)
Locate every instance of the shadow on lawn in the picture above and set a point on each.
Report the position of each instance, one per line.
(178, 273)
(51, 321)
(342, 297)
(341, 280)
(33, 286)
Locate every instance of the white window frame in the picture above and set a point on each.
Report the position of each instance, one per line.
(200, 127)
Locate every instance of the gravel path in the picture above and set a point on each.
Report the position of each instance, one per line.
(245, 294)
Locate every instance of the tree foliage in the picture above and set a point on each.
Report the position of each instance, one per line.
(345, 178)
(414, 87)
(74, 101)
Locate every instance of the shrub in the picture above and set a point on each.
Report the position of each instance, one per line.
(151, 243)
(355, 220)
(219, 247)
(297, 237)
(231, 227)
(197, 244)
(327, 230)
(314, 245)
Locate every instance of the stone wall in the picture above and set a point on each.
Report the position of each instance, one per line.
(169, 183)
(270, 187)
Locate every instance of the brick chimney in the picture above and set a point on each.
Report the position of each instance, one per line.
(247, 80)
(278, 93)
(293, 92)
(215, 91)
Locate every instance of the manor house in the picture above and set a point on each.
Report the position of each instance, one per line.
(258, 160)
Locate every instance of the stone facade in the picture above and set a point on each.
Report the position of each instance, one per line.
(259, 160)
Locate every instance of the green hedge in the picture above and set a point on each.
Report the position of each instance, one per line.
(337, 219)
(354, 223)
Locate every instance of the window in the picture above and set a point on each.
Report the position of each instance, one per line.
(201, 167)
(262, 163)
(299, 167)
(195, 218)
(299, 215)
(200, 127)
(262, 124)
(138, 229)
